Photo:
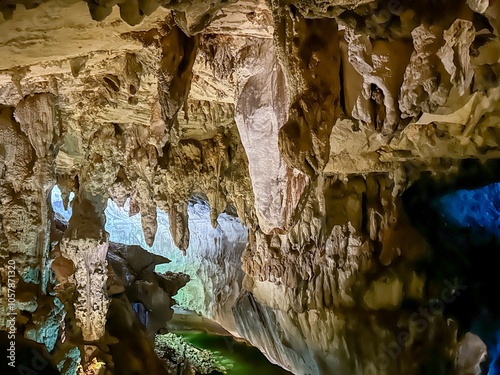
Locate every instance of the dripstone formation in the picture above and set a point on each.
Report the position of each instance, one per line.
(307, 120)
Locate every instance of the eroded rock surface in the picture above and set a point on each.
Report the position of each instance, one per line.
(306, 119)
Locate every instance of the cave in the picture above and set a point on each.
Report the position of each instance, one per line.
(307, 187)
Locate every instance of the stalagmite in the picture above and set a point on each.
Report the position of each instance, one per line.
(86, 246)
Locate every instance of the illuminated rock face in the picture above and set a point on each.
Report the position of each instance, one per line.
(212, 260)
(306, 120)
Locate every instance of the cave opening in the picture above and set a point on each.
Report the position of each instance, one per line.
(202, 320)
(207, 244)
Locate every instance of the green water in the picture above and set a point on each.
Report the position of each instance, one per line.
(239, 358)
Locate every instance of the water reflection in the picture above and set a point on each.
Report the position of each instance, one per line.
(240, 359)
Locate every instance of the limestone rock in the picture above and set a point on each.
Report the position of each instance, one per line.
(307, 120)
(37, 116)
(259, 117)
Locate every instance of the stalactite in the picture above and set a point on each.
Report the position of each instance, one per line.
(307, 119)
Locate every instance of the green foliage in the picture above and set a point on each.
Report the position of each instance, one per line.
(202, 361)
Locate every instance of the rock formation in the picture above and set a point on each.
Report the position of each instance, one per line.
(307, 120)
